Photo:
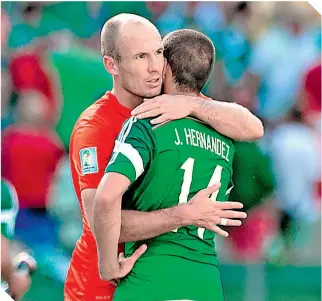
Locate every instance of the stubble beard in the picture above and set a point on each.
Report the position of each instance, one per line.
(142, 95)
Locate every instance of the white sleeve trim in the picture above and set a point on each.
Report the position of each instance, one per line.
(7, 216)
(132, 154)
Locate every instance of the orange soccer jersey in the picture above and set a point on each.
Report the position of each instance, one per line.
(91, 146)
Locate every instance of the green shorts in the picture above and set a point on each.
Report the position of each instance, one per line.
(165, 278)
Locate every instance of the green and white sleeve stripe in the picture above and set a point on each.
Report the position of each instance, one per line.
(122, 136)
(132, 150)
(9, 209)
(132, 155)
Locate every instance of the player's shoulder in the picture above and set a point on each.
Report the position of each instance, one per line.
(135, 122)
(135, 128)
(97, 112)
(95, 117)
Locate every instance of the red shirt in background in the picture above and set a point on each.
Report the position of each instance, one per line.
(29, 73)
(29, 160)
(91, 145)
(312, 87)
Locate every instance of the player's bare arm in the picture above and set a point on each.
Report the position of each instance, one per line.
(6, 267)
(107, 227)
(137, 225)
(18, 283)
(229, 119)
(200, 211)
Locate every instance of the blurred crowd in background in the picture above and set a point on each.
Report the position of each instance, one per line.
(268, 58)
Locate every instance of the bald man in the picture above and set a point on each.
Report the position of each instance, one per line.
(132, 53)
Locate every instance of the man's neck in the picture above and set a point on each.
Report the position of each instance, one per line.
(126, 98)
(175, 91)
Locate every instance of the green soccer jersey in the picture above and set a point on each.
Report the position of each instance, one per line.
(9, 209)
(168, 164)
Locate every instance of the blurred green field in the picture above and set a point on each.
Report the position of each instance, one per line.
(289, 283)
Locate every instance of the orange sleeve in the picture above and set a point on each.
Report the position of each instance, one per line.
(91, 149)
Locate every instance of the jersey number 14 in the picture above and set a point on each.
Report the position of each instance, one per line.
(187, 166)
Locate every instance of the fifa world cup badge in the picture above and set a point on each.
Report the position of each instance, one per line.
(88, 158)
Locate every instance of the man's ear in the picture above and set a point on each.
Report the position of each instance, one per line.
(110, 65)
